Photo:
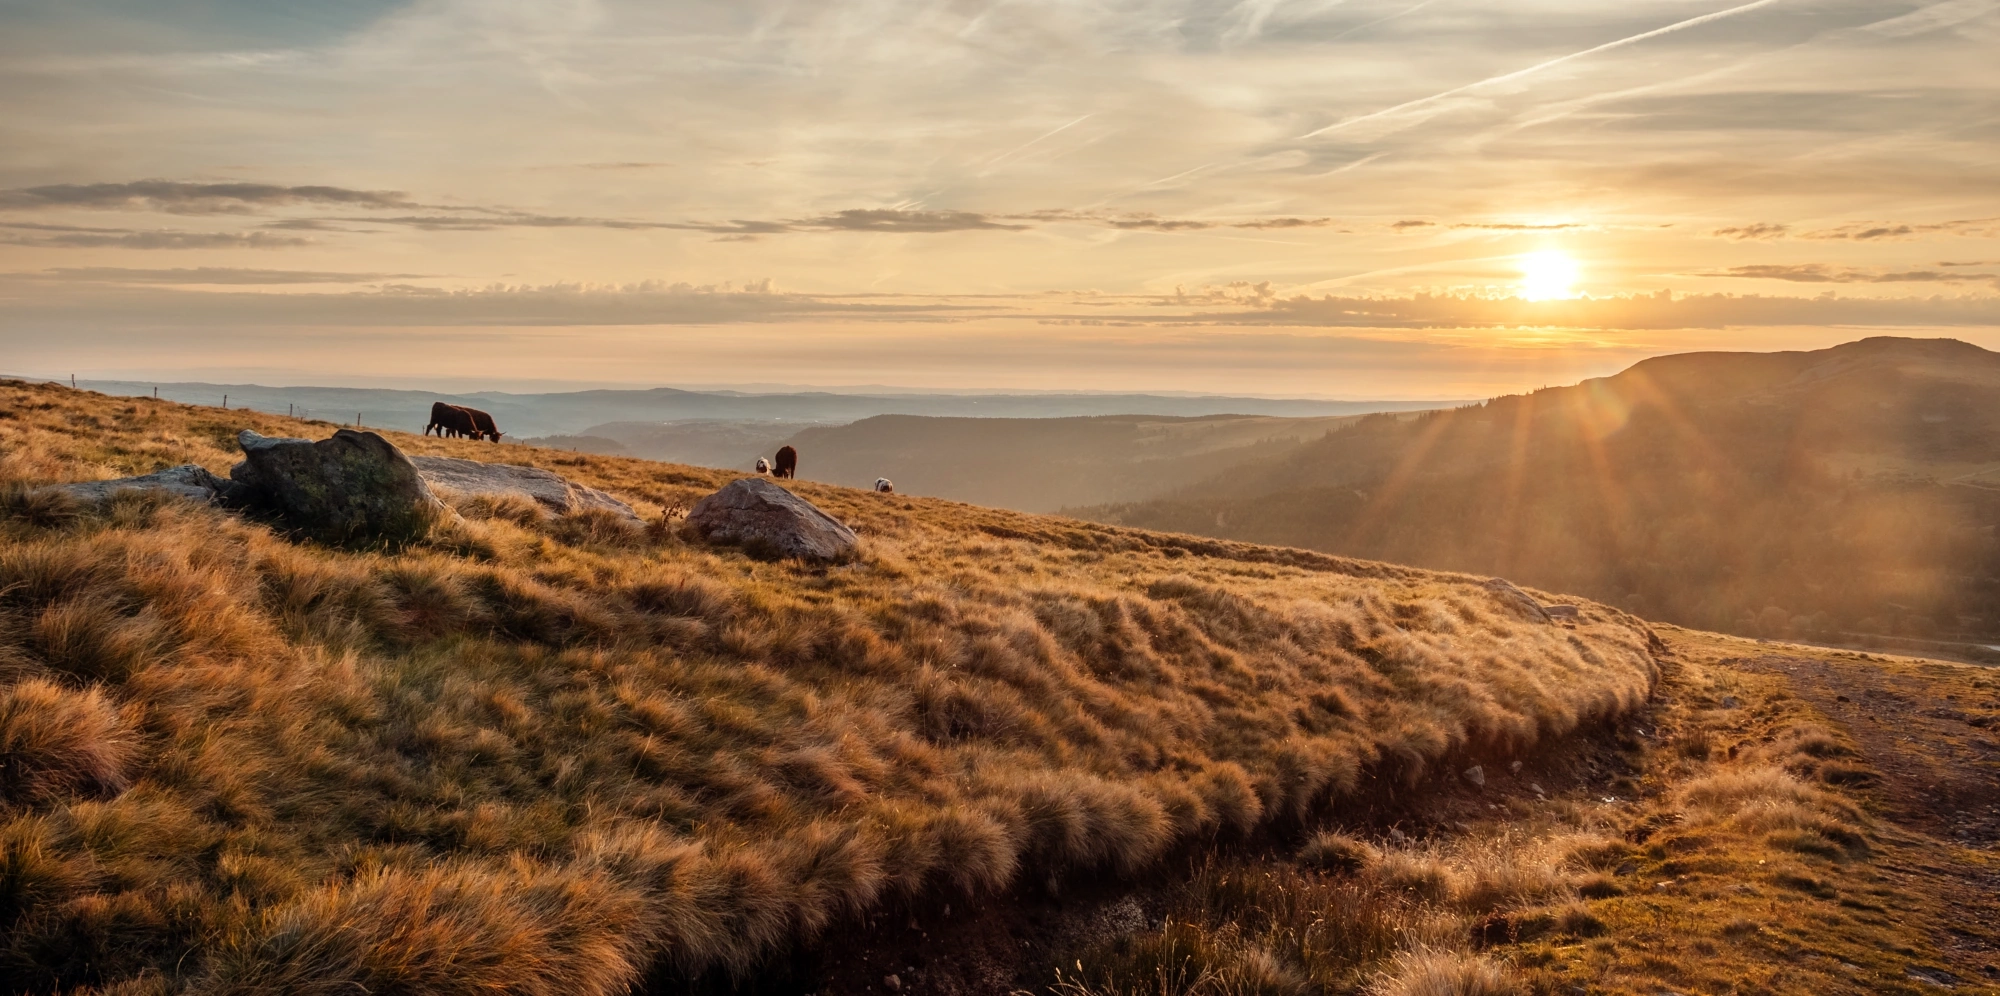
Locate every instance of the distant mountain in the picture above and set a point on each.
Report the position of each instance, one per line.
(585, 412)
(1847, 489)
(1044, 464)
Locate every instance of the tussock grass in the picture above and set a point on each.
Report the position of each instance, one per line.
(537, 755)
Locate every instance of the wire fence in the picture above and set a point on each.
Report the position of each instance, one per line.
(394, 420)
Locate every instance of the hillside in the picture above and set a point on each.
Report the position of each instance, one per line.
(1041, 465)
(562, 756)
(1000, 752)
(1814, 494)
(574, 412)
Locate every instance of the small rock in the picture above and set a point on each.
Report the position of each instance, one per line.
(1729, 702)
(1514, 769)
(1398, 836)
(766, 519)
(1476, 775)
(893, 983)
(1125, 916)
(1537, 789)
(187, 480)
(1567, 612)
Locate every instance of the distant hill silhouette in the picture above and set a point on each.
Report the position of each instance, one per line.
(1040, 465)
(1798, 493)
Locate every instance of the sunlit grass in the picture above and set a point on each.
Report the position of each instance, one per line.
(552, 755)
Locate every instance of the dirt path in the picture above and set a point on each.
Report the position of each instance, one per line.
(1931, 732)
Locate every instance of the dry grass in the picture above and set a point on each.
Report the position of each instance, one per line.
(549, 756)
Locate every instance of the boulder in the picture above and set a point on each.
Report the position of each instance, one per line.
(187, 480)
(1519, 601)
(554, 494)
(353, 488)
(768, 520)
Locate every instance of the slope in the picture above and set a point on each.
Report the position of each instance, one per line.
(1818, 493)
(1040, 465)
(564, 756)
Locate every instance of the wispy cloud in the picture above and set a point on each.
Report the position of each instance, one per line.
(207, 275)
(1821, 273)
(1411, 107)
(1862, 231)
(1761, 231)
(84, 237)
(191, 198)
(154, 301)
(1871, 231)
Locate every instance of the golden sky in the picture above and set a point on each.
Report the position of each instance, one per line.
(1342, 198)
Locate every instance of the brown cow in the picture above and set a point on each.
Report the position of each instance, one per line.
(483, 421)
(451, 420)
(787, 464)
(458, 421)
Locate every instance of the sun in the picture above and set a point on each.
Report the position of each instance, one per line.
(1548, 276)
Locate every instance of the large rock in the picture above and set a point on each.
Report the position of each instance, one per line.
(352, 488)
(550, 491)
(1528, 606)
(1523, 604)
(187, 481)
(768, 520)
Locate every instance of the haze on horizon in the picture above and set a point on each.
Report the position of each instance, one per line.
(1363, 199)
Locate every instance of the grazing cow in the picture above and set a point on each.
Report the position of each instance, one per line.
(451, 420)
(884, 486)
(483, 422)
(763, 466)
(788, 462)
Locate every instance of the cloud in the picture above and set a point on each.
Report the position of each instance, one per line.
(883, 220)
(1403, 226)
(1517, 227)
(1439, 101)
(1760, 231)
(191, 198)
(656, 303)
(1624, 312)
(1872, 231)
(891, 220)
(1863, 231)
(208, 275)
(157, 302)
(1821, 273)
(1146, 221)
(81, 237)
(1933, 17)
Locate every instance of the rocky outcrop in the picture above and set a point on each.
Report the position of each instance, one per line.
(768, 520)
(1528, 606)
(187, 481)
(353, 488)
(554, 494)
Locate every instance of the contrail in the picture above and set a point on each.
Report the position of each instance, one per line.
(1518, 73)
(997, 160)
(1405, 12)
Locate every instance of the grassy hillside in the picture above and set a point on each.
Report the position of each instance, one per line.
(1805, 494)
(1040, 465)
(568, 757)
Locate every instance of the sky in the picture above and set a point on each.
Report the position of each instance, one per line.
(1332, 198)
